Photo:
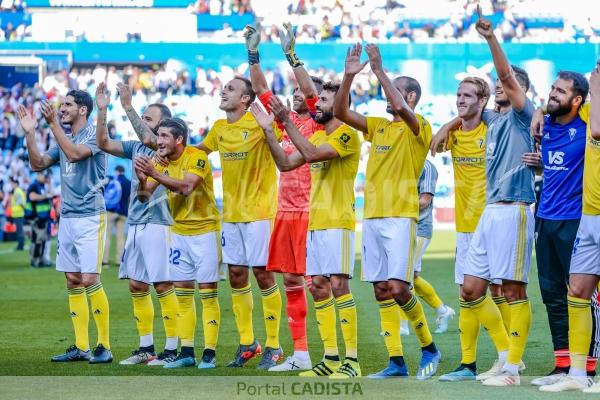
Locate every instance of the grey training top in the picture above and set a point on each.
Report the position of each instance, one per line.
(508, 137)
(81, 182)
(427, 182)
(155, 210)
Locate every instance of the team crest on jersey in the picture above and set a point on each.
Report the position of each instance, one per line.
(480, 141)
(572, 133)
(491, 149)
(245, 134)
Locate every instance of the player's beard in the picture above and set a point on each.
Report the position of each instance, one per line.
(325, 117)
(558, 110)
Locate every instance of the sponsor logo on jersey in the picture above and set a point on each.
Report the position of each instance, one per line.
(572, 133)
(235, 155)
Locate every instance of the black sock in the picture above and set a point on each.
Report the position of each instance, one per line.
(187, 351)
(209, 353)
(430, 348)
(472, 366)
(355, 359)
(398, 360)
(333, 358)
(148, 349)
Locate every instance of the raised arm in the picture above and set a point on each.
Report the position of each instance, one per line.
(397, 101)
(38, 161)
(288, 44)
(145, 134)
(259, 83)
(341, 108)
(283, 161)
(183, 186)
(73, 152)
(510, 85)
(595, 102)
(104, 142)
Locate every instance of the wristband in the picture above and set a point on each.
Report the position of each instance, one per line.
(293, 59)
(253, 57)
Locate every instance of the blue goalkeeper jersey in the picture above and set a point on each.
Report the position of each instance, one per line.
(563, 148)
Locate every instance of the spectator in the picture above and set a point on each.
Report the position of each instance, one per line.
(39, 198)
(116, 196)
(17, 210)
(2, 211)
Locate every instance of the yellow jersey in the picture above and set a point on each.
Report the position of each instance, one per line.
(249, 171)
(468, 159)
(591, 167)
(332, 191)
(196, 213)
(396, 160)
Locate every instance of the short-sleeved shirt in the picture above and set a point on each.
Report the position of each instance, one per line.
(294, 185)
(563, 148)
(249, 171)
(332, 192)
(196, 213)
(156, 209)
(591, 168)
(396, 159)
(508, 138)
(427, 182)
(81, 182)
(468, 160)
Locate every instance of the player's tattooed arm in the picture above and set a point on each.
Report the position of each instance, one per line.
(595, 102)
(73, 152)
(145, 134)
(104, 142)
(283, 161)
(341, 106)
(37, 160)
(510, 85)
(394, 96)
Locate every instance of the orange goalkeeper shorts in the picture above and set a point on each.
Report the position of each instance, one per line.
(287, 248)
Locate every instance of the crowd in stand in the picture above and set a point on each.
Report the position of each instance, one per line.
(381, 21)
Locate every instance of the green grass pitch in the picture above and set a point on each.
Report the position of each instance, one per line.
(34, 325)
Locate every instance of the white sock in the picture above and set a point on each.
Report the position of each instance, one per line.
(441, 309)
(502, 356)
(171, 343)
(577, 372)
(511, 368)
(146, 340)
(301, 355)
(404, 324)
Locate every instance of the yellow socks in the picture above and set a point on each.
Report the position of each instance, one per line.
(468, 327)
(488, 314)
(211, 317)
(580, 333)
(271, 301)
(349, 323)
(425, 291)
(414, 311)
(520, 323)
(502, 304)
(326, 319)
(143, 312)
(243, 304)
(186, 316)
(169, 307)
(80, 316)
(389, 312)
(100, 310)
